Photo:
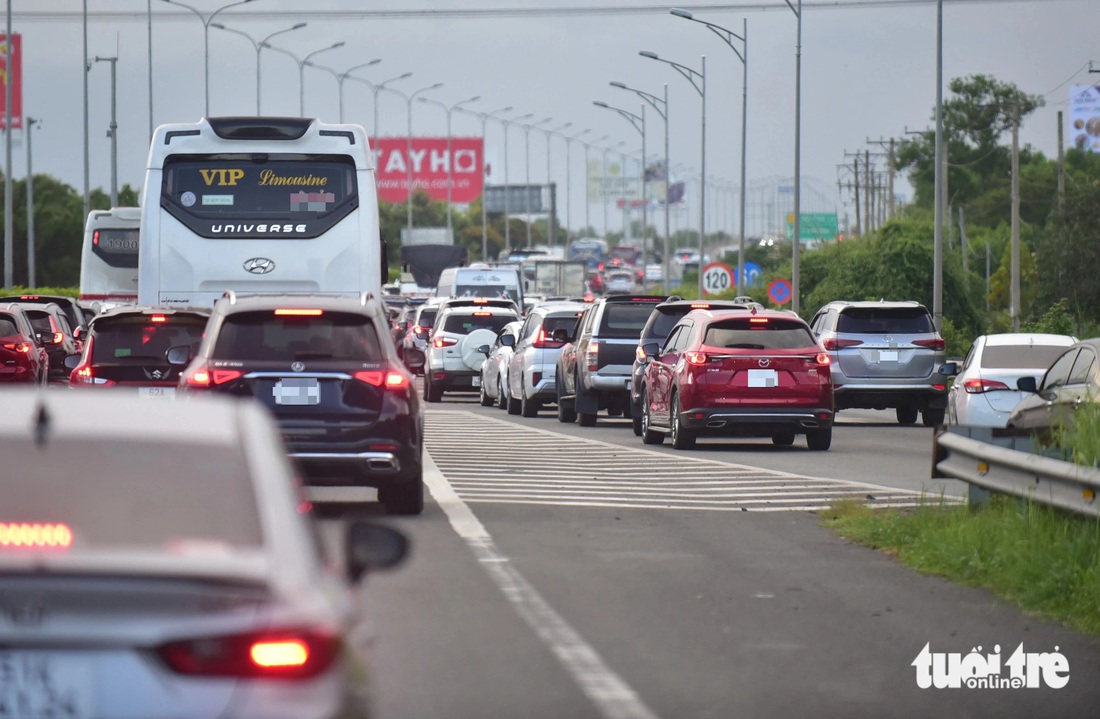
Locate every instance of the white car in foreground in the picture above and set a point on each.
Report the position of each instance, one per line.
(984, 392)
(157, 560)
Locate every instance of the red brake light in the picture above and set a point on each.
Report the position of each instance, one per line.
(58, 338)
(204, 378)
(700, 305)
(396, 380)
(978, 386)
(289, 655)
(823, 359)
(157, 318)
(481, 301)
(936, 344)
(198, 378)
(483, 314)
(758, 320)
(18, 347)
(834, 344)
(696, 358)
(221, 376)
(95, 237)
(639, 353)
(298, 313)
(36, 535)
(84, 374)
(444, 342)
(592, 354)
(543, 342)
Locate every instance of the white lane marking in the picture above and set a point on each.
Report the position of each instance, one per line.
(613, 697)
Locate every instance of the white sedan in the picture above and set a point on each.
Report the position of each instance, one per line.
(984, 393)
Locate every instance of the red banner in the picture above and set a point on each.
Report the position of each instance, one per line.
(431, 168)
(16, 76)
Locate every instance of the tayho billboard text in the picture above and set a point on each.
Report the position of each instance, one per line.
(432, 167)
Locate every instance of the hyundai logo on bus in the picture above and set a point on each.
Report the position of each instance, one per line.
(259, 265)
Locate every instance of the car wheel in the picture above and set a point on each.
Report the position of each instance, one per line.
(783, 439)
(432, 391)
(502, 398)
(649, 435)
(932, 417)
(636, 424)
(682, 437)
(529, 407)
(819, 439)
(566, 414)
(512, 404)
(486, 400)
(406, 498)
(906, 414)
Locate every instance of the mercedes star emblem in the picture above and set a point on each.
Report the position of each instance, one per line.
(259, 265)
(297, 366)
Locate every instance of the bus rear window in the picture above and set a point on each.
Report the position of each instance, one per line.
(118, 247)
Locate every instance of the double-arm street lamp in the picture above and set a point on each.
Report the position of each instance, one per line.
(742, 54)
(376, 88)
(342, 76)
(206, 40)
(603, 183)
(258, 45)
(568, 174)
(408, 145)
(552, 234)
(507, 222)
(698, 80)
(484, 116)
(302, 69)
(797, 244)
(661, 106)
(638, 121)
(450, 155)
(527, 127)
(588, 190)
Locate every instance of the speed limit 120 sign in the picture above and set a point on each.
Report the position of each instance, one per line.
(717, 278)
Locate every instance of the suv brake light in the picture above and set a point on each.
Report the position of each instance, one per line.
(380, 378)
(84, 374)
(203, 378)
(23, 347)
(835, 344)
(936, 344)
(298, 313)
(592, 355)
(542, 342)
(979, 386)
(444, 342)
(294, 654)
(823, 359)
(696, 358)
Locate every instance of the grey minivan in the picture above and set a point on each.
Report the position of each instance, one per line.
(885, 355)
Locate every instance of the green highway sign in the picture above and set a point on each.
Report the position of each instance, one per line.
(815, 226)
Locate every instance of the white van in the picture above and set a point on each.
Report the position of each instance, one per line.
(481, 280)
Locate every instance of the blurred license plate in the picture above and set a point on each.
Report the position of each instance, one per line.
(297, 391)
(154, 393)
(41, 685)
(476, 381)
(887, 355)
(763, 378)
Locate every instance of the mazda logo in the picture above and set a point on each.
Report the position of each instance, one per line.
(764, 362)
(259, 265)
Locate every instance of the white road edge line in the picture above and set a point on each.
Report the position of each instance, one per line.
(613, 697)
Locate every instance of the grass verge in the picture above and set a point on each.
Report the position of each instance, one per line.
(1045, 561)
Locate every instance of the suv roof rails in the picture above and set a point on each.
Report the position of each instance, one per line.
(480, 302)
(635, 298)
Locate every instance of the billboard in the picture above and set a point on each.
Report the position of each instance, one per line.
(430, 164)
(819, 226)
(521, 199)
(616, 184)
(15, 76)
(1084, 117)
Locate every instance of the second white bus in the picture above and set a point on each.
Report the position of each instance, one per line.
(258, 204)
(109, 258)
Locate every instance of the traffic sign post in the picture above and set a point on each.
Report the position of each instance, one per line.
(779, 291)
(752, 274)
(717, 278)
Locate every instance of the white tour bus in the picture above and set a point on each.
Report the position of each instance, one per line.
(109, 258)
(259, 204)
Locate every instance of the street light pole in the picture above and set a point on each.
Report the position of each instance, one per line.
(661, 106)
(603, 184)
(258, 46)
(206, 40)
(301, 63)
(527, 127)
(552, 235)
(568, 179)
(450, 155)
(484, 213)
(341, 77)
(797, 244)
(31, 259)
(507, 222)
(728, 37)
(937, 249)
(588, 190)
(698, 80)
(408, 146)
(112, 132)
(376, 88)
(638, 121)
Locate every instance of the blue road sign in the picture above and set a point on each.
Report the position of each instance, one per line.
(779, 292)
(752, 274)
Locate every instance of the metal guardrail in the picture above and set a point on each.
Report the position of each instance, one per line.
(993, 462)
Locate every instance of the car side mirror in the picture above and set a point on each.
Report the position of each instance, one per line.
(561, 335)
(508, 341)
(403, 325)
(78, 333)
(651, 349)
(1027, 384)
(72, 361)
(484, 349)
(371, 547)
(178, 356)
(949, 369)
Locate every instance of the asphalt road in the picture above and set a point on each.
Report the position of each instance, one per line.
(526, 602)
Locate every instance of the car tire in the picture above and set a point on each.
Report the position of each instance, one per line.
(432, 391)
(819, 439)
(649, 435)
(906, 414)
(932, 417)
(783, 439)
(502, 398)
(636, 424)
(486, 400)
(566, 413)
(406, 498)
(529, 406)
(682, 437)
(512, 403)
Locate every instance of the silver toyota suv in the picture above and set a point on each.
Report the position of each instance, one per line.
(885, 354)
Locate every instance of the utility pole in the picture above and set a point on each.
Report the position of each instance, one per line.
(112, 131)
(855, 174)
(31, 270)
(1014, 309)
(1061, 169)
(891, 173)
(867, 216)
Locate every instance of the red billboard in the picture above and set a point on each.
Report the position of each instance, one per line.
(431, 167)
(16, 76)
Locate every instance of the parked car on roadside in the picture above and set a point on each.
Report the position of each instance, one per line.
(984, 392)
(1073, 379)
(494, 370)
(734, 373)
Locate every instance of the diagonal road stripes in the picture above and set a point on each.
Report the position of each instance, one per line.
(495, 461)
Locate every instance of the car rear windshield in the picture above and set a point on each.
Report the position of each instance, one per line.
(427, 317)
(759, 333)
(265, 335)
(464, 324)
(140, 338)
(177, 497)
(7, 327)
(561, 322)
(889, 320)
(40, 320)
(624, 320)
(1020, 356)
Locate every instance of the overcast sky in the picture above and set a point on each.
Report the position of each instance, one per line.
(868, 71)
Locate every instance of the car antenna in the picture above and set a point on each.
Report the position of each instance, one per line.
(41, 425)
